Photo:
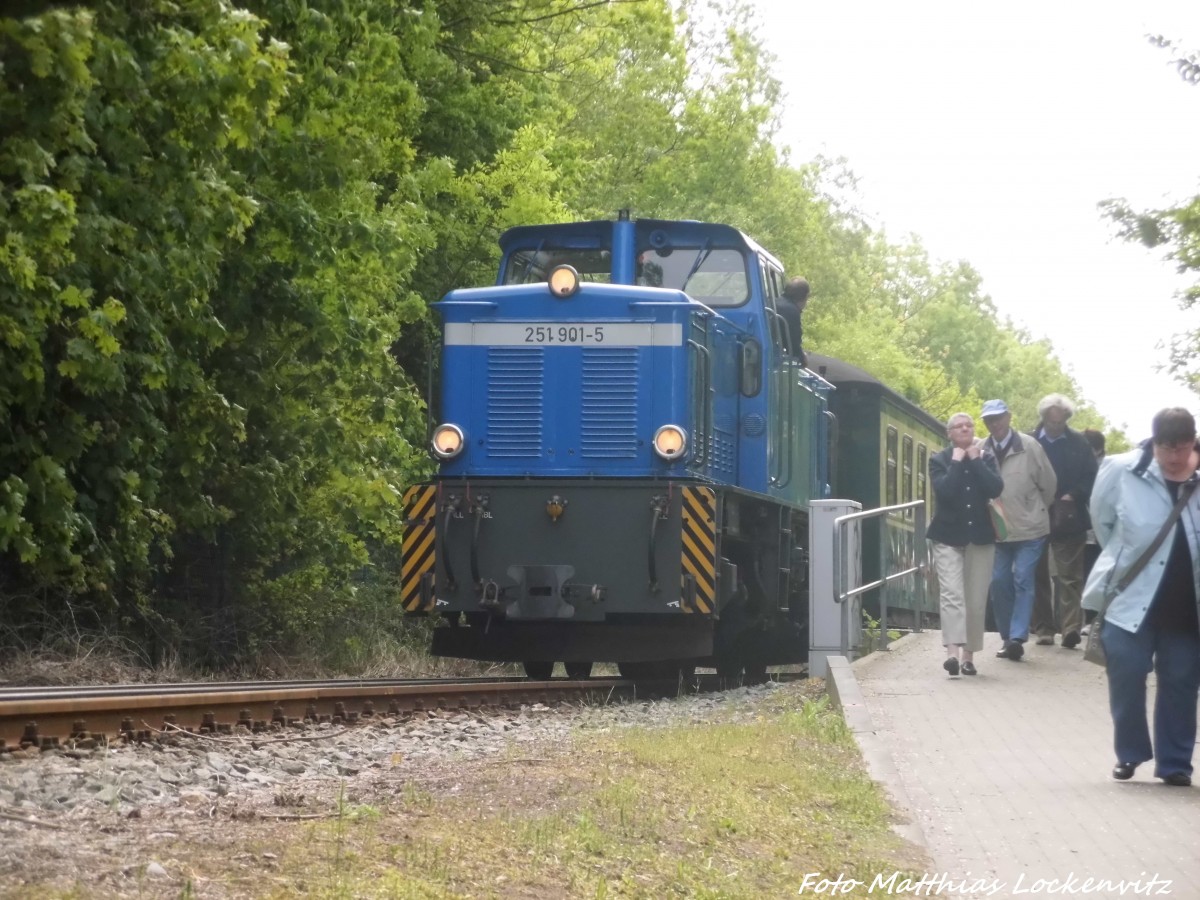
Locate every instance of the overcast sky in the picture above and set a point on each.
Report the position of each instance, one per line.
(992, 133)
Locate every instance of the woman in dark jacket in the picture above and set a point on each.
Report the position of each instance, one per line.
(962, 541)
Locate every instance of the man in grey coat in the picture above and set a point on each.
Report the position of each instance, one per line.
(1029, 486)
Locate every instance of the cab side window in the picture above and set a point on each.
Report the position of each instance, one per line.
(771, 289)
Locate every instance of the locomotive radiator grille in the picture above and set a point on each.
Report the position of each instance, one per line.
(515, 406)
(700, 547)
(724, 454)
(608, 407)
(420, 511)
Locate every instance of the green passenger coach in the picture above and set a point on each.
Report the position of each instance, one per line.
(880, 458)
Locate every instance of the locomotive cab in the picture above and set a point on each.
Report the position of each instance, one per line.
(625, 456)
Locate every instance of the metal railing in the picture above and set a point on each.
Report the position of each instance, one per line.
(920, 566)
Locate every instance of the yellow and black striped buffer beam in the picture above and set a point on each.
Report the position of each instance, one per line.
(420, 517)
(700, 547)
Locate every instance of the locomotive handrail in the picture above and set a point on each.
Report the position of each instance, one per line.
(704, 310)
(706, 411)
(776, 433)
(487, 304)
(658, 510)
(841, 594)
(480, 508)
(449, 511)
(785, 421)
(790, 366)
(673, 304)
(782, 324)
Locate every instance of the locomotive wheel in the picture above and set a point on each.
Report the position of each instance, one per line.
(657, 671)
(728, 671)
(755, 675)
(578, 671)
(635, 671)
(538, 670)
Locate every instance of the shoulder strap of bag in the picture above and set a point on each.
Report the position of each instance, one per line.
(1185, 493)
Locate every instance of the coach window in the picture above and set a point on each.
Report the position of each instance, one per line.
(892, 450)
(907, 471)
(922, 475)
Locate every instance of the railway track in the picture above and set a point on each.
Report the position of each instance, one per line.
(88, 716)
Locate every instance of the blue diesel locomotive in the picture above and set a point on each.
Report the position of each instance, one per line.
(626, 453)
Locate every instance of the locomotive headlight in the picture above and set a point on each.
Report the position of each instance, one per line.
(448, 441)
(670, 442)
(563, 281)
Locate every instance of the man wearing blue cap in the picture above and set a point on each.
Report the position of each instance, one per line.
(1029, 486)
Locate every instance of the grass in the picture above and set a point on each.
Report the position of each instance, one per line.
(731, 809)
(66, 654)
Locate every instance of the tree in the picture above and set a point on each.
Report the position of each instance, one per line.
(118, 203)
(1174, 229)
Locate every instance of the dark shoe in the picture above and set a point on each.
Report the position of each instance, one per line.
(968, 668)
(1070, 640)
(1013, 650)
(951, 666)
(1177, 779)
(1124, 771)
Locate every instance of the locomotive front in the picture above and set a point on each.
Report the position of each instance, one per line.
(588, 428)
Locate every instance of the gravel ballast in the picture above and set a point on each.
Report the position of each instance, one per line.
(97, 813)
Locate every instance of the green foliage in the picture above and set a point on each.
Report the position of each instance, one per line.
(205, 263)
(1173, 229)
(311, 303)
(119, 202)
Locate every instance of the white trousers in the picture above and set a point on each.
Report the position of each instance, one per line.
(964, 576)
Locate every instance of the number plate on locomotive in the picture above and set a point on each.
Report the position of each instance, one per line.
(565, 334)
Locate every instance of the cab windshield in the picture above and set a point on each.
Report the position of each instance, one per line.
(716, 276)
(533, 266)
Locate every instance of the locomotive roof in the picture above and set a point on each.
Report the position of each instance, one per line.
(838, 372)
(598, 233)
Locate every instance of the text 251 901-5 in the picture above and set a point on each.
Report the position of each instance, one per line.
(564, 334)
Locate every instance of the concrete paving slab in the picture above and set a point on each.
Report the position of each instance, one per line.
(1006, 776)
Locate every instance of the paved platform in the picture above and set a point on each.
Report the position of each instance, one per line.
(1006, 775)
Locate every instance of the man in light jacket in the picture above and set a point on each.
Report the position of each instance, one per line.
(1153, 624)
(1029, 486)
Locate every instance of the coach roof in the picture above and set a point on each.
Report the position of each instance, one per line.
(842, 374)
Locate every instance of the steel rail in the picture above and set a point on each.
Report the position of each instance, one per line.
(89, 716)
(49, 692)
